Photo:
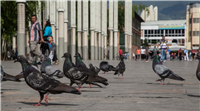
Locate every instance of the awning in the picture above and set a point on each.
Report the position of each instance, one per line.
(194, 51)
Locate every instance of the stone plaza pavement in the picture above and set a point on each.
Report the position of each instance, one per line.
(138, 91)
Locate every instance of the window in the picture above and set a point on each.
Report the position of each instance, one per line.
(195, 20)
(195, 33)
(145, 31)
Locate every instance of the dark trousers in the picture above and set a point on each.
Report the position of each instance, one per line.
(147, 57)
(142, 56)
(44, 47)
(180, 56)
(55, 56)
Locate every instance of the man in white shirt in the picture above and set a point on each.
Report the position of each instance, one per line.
(164, 47)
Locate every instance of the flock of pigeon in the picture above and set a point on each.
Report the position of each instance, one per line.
(45, 80)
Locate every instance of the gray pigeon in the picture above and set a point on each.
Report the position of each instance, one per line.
(33, 64)
(163, 71)
(41, 82)
(49, 69)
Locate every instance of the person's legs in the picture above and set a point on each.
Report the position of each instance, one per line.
(44, 48)
(33, 50)
(187, 57)
(147, 57)
(162, 55)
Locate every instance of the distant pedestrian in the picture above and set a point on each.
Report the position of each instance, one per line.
(186, 55)
(133, 56)
(142, 53)
(138, 53)
(168, 53)
(180, 52)
(127, 54)
(190, 55)
(35, 37)
(147, 52)
(120, 53)
(163, 46)
(155, 50)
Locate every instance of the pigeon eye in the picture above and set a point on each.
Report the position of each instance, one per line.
(18, 57)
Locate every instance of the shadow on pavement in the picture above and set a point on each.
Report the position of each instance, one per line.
(31, 103)
(166, 84)
(90, 91)
(190, 95)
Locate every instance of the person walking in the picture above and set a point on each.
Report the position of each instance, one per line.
(164, 47)
(186, 55)
(52, 48)
(138, 53)
(180, 52)
(46, 34)
(147, 52)
(142, 53)
(168, 53)
(35, 36)
(133, 56)
(155, 50)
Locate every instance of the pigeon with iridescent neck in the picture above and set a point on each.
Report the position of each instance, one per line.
(163, 71)
(42, 82)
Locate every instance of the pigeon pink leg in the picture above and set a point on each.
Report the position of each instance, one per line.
(90, 86)
(38, 104)
(46, 98)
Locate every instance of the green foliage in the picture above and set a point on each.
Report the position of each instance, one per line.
(9, 17)
(121, 13)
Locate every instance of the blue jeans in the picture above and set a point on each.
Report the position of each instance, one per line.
(163, 54)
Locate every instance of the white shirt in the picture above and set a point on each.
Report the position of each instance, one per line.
(133, 55)
(142, 51)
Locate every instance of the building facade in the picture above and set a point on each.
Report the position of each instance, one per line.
(136, 33)
(153, 14)
(193, 24)
(173, 30)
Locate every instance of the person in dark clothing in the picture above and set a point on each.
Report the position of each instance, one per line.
(52, 48)
(180, 52)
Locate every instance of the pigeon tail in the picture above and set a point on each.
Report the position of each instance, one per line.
(176, 77)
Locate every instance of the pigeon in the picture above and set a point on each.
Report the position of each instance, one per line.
(120, 68)
(198, 68)
(41, 82)
(2, 73)
(104, 66)
(163, 71)
(93, 76)
(73, 73)
(94, 68)
(49, 69)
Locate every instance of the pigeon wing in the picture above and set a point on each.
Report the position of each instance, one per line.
(160, 69)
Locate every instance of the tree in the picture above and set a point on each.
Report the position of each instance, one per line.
(9, 20)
